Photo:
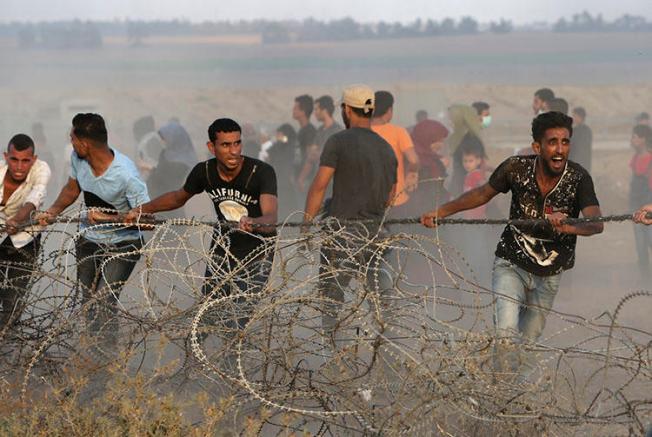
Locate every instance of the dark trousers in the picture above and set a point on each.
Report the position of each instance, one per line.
(343, 259)
(102, 271)
(16, 273)
(226, 276)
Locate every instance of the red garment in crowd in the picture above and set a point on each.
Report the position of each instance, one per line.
(475, 179)
(640, 163)
(424, 134)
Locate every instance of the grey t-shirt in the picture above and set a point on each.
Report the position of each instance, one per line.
(365, 171)
(324, 133)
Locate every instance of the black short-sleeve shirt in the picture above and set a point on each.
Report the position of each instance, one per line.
(540, 250)
(365, 171)
(235, 199)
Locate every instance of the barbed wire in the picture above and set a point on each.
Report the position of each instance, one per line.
(412, 348)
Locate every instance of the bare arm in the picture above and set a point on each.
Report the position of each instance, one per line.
(412, 170)
(22, 216)
(584, 229)
(469, 200)
(69, 193)
(317, 191)
(269, 210)
(165, 202)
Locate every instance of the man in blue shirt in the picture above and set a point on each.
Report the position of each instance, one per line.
(106, 253)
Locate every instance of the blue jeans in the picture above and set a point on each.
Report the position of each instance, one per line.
(523, 300)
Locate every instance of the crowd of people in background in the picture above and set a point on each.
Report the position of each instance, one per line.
(368, 167)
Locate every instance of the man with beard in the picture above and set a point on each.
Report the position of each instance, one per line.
(530, 259)
(362, 166)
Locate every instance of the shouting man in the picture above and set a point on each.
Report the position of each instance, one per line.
(530, 259)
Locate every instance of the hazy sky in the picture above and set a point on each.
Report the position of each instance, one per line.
(520, 11)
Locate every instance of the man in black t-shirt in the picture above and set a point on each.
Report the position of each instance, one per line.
(362, 166)
(530, 259)
(243, 191)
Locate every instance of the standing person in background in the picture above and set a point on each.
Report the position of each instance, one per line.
(148, 145)
(582, 141)
(541, 101)
(250, 140)
(428, 137)
(407, 171)
(419, 116)
(641, 165)
(324, 109)
(484, 113)
(23, 184)
(466, 129)
(280, 156)
(107, 254)
(301, 112)
(174, 163)
(558, 104)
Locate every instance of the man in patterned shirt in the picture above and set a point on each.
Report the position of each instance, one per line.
(530, 259)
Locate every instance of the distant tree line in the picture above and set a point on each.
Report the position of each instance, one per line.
(585, 22)
(88, 34)
(60, 35)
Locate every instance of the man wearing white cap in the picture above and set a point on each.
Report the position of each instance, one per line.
(363, 168)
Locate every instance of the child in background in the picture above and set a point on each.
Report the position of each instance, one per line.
(474, 239)
(473, 162)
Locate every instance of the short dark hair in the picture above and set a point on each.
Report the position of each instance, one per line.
(383, 101)
(643, 116)
(225, 125)
(326, 103)
(550, 120)
(480, 106)
(545, 94)
(558, 105)
(305, 104)
(580, 111)
(91, 127)
(472, 145)
(644, 131)
(21, 142)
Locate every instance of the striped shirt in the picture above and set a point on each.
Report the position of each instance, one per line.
(32, 190)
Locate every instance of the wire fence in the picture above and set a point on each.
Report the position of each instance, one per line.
(379, 333)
